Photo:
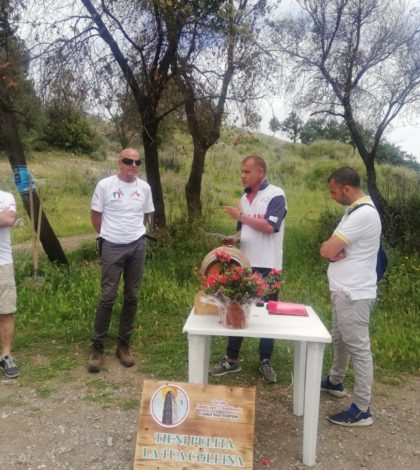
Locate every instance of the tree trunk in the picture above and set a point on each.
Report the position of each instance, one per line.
(151, 158)
(367, 157)
(373, 190)
(17, 158)
(204, 135)
(193, 186)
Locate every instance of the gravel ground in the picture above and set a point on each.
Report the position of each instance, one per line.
(83, 422)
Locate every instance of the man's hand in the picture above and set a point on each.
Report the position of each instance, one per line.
(232, 239)
(333, 249)
(96, 219)
(338, 256)
(234, 212)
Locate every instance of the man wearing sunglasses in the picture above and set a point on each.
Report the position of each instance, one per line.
(120, 208)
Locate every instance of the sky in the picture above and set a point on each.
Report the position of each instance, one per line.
(404, 131)
(403, 135)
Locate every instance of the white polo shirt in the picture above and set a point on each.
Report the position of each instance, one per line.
(123, 206)
(264, 250)
(7, 202)
(355, 274)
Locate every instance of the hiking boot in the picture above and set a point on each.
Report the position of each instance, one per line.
(225, 366)
(124, 355)
(8, 366)
(268, 373)
(95, 361)
(352, 417)
(334, 390)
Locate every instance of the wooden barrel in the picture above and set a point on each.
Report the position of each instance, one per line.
(211, 265)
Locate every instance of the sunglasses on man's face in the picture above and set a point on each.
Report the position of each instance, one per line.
(130, 161)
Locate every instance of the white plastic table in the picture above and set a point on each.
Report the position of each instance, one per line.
(309, 336)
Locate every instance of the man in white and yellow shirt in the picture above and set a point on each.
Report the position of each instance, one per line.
(352, 250)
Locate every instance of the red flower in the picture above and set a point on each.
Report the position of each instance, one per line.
(210, 281)
(222, 256)
(223, 279)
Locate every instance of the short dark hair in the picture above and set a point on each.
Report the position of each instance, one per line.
(345, 176)
(259, 161)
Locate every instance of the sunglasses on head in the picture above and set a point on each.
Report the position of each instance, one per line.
(130, 161)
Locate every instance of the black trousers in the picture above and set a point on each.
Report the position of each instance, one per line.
(118, 260)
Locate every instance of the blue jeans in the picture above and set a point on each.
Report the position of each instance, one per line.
(266, 346)
(126, 260)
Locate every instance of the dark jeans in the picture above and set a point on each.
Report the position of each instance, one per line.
(266, 347)
(119, 259)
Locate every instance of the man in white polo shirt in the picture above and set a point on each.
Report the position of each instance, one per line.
(260, 226)
(121, 205)
(352, 250)
(7, 285)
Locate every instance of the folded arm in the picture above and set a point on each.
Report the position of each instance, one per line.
(7, 218)
(333, 248)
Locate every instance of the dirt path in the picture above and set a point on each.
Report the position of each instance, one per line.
(89, 422)
(67, 243)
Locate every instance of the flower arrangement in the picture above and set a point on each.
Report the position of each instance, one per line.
(272, 281)
(233, 284)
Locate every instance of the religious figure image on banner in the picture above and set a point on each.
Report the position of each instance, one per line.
(169, 405)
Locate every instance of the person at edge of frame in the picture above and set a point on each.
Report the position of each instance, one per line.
(352, 251)
(7, 286)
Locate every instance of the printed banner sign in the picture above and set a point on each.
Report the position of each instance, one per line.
(195, 426)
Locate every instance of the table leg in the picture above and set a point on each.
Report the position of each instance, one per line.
(314, 355)
(299, 361)
(198, 358)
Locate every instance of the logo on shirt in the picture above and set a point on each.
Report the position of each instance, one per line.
(136, 196)
(117, 195)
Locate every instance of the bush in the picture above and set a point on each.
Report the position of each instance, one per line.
(318, 176)
(401, 224)
(172, 159)
(69, 130)
(326, 148)
(325, 226)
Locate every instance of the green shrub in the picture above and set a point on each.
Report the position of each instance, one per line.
(69, 130)
(171, 159)
(316, 178)
(395, 320)
(325, 225)
(397, 183)
(402, 224)
(326, 148)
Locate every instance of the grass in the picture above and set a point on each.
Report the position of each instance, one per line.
(55, 320)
